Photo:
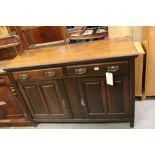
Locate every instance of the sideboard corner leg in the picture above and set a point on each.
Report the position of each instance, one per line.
(132, 123)
(34, 124)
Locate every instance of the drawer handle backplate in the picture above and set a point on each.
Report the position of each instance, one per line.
(113, 68)
(24, 76)
(80, 71)
(49, 73)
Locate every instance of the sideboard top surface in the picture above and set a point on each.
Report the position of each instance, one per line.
(94, 50)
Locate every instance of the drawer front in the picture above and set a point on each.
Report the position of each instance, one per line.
(98, 69)
(39, 74)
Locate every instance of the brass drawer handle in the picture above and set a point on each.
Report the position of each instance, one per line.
(49, 73)
(113, 68)
(24, 76)
(119, 81)
(2, 103)
(80, 71)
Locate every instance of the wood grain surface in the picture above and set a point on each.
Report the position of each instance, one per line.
(102, 49)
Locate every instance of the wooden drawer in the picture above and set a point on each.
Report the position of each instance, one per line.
(98, 68)
(40, 74)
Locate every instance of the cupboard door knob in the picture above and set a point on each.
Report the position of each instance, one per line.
(80, 71)
(49, 73)
(64, 104)
(113, 68)
(82, 102)
(24, 76)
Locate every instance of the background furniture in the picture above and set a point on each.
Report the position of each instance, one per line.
(9, 47)
(39, 36)
(148, 42)
(139, 66)
(87, 33)
(69, 85)
(11, 114)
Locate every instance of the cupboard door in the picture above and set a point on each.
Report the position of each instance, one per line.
(93, 96)
(45, 100)
(118, 95)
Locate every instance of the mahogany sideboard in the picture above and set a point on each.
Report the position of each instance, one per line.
(68, 84)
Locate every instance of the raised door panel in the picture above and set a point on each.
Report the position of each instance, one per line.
(51, 96)
(118, 95)
(45, 99)
(93, 96)
(36, 104)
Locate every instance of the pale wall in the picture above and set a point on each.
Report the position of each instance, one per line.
(3, 31)
(123, 31)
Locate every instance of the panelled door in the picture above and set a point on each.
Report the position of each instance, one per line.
(45, 99)
(93, 96)
(100, 100)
